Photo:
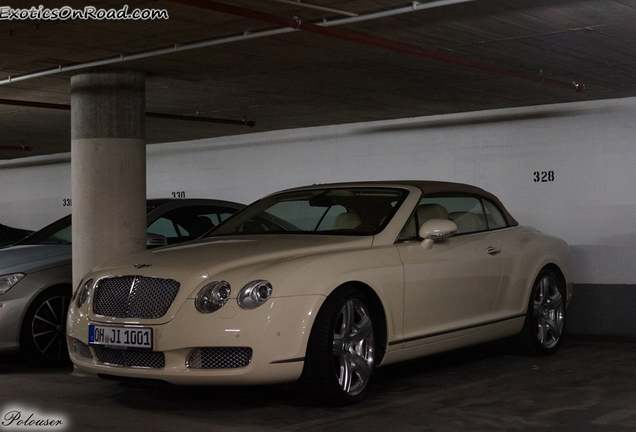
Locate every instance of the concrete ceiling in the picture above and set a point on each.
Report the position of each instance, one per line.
(301, 79)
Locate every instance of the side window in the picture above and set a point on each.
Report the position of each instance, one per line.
(410, 230)
(219, 217)
(329, 219)
(466, 212)
(164, 227)
(494, 216)
(64, 235)
(189, 222)
(305, 217)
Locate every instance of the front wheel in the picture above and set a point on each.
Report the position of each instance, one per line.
(543, 329)
(341, 352)
(43, 335)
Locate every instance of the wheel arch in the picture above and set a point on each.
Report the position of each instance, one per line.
(30, 350)
(67, 286)
(557, 271)
(526, 342)
(378, 309)
(533, 276)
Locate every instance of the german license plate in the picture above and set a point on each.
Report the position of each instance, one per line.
(120, 337)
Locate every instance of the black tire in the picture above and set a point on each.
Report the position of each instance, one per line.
(341, 352)
(43, 333)
(542, 331)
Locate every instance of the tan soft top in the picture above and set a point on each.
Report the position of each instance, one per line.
(428, 188)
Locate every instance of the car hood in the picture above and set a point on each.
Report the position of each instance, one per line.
(30, 258)
(195, 263)
(218, 254)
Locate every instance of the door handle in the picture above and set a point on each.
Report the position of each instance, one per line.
(492, 250)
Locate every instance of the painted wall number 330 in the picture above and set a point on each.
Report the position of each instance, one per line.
(543, 176)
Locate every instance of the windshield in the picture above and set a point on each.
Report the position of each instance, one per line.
(335, 211)
(59, 232)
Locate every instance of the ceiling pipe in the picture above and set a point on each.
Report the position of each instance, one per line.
(413, 7)
(17, 148)
(248, 123)
(378, 42)
(316, 7)
(15, 102)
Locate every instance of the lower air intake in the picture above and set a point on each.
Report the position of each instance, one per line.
(219, 358)
(137, 359)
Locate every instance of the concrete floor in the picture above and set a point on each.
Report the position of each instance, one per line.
(590, 385)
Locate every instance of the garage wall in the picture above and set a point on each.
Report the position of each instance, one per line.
(35, 191)
(565, 169)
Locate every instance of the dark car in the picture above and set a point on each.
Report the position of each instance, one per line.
(9, 235)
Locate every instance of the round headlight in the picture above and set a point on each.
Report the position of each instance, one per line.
(212, 297)
(82, 295)
(254, 294)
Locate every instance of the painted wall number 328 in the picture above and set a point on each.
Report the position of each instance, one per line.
(543, 176)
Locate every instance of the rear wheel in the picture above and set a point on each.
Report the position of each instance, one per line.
(341, 352)
(43, 335)
(543, 329)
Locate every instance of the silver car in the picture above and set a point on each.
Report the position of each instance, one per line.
(36, 274)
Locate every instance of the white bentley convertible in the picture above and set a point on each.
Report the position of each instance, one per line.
(323, 284)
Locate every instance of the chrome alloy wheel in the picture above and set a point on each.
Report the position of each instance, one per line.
(548, 312)
(353, 347)
(48, 327)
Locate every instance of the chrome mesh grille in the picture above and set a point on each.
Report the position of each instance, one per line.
(134, 297)
(219, 358)
(82, 349)
(140, 359)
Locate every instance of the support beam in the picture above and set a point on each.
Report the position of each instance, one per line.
(65, 107)
(108, 167)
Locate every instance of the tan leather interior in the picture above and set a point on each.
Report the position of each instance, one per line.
(467, 222)
(430, 211)
(346, 220)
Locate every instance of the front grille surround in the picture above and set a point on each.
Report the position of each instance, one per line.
(134, 297)
(129, 358)
(219, 358)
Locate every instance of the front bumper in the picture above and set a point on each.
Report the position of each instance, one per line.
(276, 333)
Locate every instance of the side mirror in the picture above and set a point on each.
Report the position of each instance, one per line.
(155, 240)
(434, 229)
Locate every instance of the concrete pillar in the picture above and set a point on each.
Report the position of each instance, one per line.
(108, 167)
